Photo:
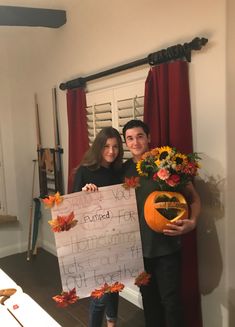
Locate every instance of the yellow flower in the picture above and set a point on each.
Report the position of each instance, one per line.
(164, 152)
(138, 168)
(180, 159)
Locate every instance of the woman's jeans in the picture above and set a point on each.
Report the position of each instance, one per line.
(107, 304)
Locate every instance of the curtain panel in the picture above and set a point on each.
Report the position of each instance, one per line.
(78, 141)
(168, 114)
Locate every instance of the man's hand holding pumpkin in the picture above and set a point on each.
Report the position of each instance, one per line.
(179, 227)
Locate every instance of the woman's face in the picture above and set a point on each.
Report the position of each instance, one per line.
(110, 151)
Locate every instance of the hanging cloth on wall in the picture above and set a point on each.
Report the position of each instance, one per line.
(167, 113)
(77, 130)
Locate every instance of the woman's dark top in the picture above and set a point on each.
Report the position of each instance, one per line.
(100, 177)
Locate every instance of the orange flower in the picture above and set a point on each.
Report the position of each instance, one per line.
(114, 288)
(51, 200)
(66, 298)
(131, 182)
(142, 279)
(63, 223)
(146, 155)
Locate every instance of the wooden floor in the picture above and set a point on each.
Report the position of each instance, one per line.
(40, 278)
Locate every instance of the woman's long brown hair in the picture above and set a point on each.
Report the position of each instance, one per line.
(93, 157)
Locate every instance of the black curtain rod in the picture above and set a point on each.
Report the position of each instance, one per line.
(172, 53)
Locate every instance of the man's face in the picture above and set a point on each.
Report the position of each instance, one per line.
(137, 142)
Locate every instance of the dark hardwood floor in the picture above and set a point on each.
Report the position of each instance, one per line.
(40, 278)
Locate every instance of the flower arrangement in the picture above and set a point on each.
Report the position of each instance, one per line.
(169, 168)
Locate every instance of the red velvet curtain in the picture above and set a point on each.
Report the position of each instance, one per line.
(167, 113)
(77, 130)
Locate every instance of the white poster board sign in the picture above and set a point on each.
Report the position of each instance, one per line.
(105, 245)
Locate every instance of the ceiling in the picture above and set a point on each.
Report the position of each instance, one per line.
(43, 13)
(52, 4)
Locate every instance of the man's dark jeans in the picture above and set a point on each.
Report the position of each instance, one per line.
(161, 297)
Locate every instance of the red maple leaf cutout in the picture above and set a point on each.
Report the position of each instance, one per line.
(66, 298)
(63, 223)
(142, 279)
(131, 182)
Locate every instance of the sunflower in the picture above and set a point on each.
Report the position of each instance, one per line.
(163, 153)
(139, 168)
(180, 159)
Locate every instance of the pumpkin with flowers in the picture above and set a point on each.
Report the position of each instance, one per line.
(171, 171)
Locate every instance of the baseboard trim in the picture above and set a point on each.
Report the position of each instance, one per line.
(9, 250)
(49, 247)
(132, 296)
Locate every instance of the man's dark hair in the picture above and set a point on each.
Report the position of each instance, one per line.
(135, 123)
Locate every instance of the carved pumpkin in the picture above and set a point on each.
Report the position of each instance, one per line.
(159, 205)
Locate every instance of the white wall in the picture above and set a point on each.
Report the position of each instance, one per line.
(230, 204)
(97, 36)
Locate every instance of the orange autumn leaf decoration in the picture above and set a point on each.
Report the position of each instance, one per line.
(63, 223)
(142, 279)
(114, 288)
(131, 182)
(58, 198)
(117, 287)
(66, 298)
(51, 200)
(48, 202)
(97, 294)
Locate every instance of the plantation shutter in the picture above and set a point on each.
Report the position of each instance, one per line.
(114, 107)
(99, 112)
(129, 101)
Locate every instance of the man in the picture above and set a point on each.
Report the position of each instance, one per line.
(161, 251)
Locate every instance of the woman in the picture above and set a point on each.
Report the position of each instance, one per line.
(101, 166)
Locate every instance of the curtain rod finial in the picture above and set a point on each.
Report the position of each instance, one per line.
(79, 82)
(63, 86)
(197, 43)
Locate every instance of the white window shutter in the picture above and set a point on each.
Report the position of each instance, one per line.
(99, 111)
(98, 116)
(114, 107)
(129, 105)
